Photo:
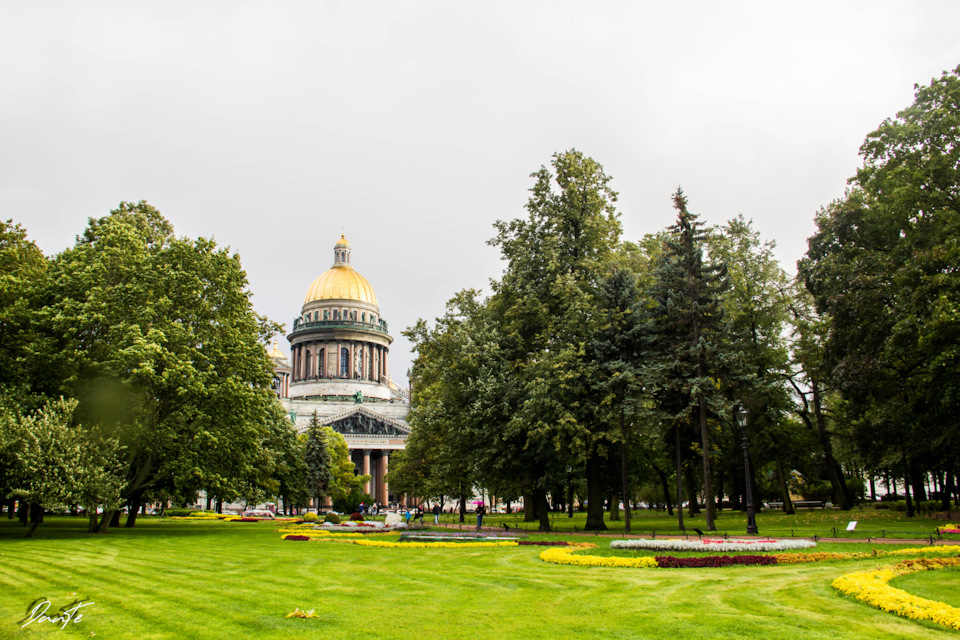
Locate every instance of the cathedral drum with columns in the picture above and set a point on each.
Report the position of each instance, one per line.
(339, 346)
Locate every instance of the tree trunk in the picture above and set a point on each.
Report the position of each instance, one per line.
(917, 476)
(709, 504)
(36, 518)
(947, 486)
(840, 492)
(614, 502)
(784, 490)
(92, 519)
(623, 473)
(873, 489)
(676, 430)
(23, 513)
(665, 486)
(106, 522)
(540, 496)
(11, 507)
(719, 489)
(529, 501)
(133, 508)
(906, 484)
(594, 496)
(463, 505)
(693, 502)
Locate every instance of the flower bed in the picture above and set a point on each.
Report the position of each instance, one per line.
(669, 562)
(872, 587)
(949, 528)
(329, 535)
(567, 556)
(712, 544)
(430, 545)
(459, 534)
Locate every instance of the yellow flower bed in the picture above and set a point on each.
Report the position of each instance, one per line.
(872, 587)
(800, 558)
(431, 545)
(948, 527)
(319, 533)
(567, 555)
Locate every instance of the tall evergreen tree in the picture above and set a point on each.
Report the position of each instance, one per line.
(618, 348)
(685, 327)
(319, 461)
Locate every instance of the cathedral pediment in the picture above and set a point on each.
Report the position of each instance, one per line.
(360, 421)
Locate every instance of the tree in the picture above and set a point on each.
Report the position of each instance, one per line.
(756, 311)
(319, 461)
(22, 271)
(344, 479)
(882, 269)
(157, 339)
(618, 347)
(55, 464)
(686, 330)
(547, 306)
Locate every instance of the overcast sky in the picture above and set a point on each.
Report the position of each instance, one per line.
(412, 126)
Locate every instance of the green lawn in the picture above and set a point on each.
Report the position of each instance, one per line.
(175, 579)
(871, 523)
(942, 585)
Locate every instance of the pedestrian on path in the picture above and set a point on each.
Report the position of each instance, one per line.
(481, 511)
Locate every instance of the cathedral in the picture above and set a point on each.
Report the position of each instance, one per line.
(338, 369)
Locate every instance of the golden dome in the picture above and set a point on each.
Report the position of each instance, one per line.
(342, 242)
(341, 282)
(276, 353)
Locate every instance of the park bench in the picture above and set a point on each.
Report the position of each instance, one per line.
(799, 504)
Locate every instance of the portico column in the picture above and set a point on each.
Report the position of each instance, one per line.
(366, 470)
(384, 458)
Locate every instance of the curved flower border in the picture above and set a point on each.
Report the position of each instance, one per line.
(713, 544)
(567, 555)
(949, 528)
(872, 588)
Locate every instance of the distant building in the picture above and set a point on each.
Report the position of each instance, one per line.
(339, 348)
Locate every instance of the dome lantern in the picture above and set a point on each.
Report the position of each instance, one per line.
(341, 281)
(341, 252)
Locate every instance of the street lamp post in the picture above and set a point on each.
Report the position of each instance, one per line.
(742, 418)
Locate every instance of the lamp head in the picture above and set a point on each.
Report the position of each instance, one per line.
(742, 417)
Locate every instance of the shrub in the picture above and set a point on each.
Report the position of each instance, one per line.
(332, 518)
(356, 517)
(310, 517)
(178, 512)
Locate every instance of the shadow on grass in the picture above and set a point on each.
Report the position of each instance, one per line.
(68, 527)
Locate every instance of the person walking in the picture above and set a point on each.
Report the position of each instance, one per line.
(419, 515)
(481, 511)
(436, 513)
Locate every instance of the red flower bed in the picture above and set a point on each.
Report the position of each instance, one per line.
(295, 537)
(245, 520)
(534, 543)
(669, 562)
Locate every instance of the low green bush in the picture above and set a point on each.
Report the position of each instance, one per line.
(332, 518)
(178, 512)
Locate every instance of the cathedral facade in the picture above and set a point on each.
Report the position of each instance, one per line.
(339, 349)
